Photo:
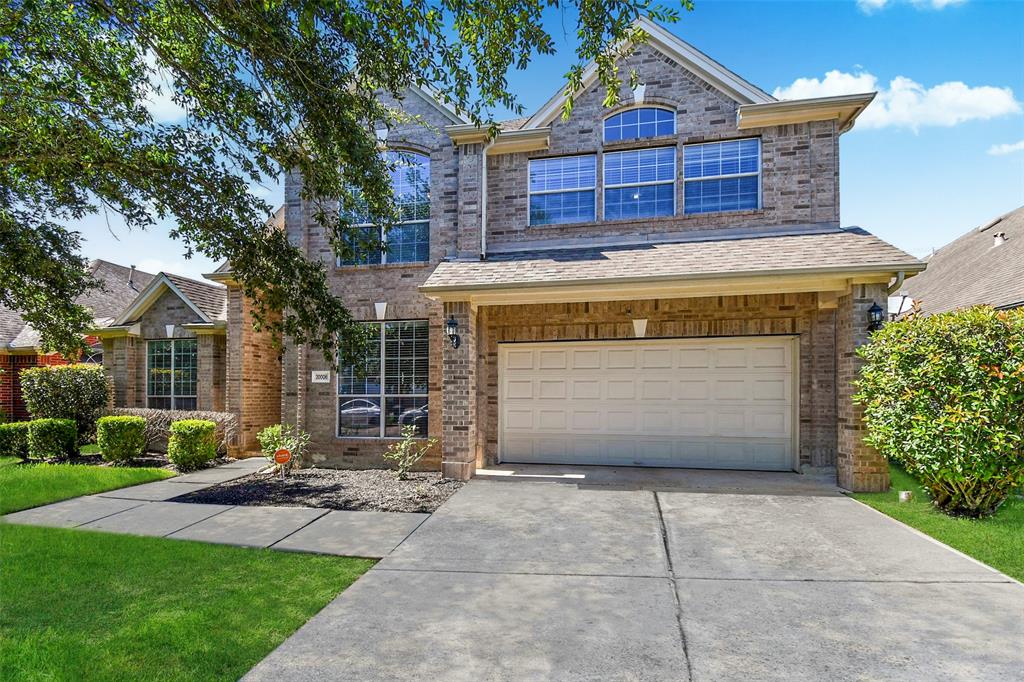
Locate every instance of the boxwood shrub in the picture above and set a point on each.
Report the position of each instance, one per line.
(14, 440)
(192, 443)
(943, 397)
(121, 439)
(52, 438)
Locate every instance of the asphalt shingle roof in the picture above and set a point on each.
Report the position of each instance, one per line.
(743, 252)
(211, 298)
(972, 269)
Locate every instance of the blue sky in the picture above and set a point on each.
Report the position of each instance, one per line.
(939, 152)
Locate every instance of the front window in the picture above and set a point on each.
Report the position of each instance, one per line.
(722, 176)
(408, 241)
(640, 183)
(635, 124)
(172, 373)
(386, 390)
(562, 190)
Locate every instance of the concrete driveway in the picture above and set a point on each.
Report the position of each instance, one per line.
(539, 580)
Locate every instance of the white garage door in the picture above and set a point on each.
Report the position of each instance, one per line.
(723, 403)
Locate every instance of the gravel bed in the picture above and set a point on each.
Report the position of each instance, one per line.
(365, 490)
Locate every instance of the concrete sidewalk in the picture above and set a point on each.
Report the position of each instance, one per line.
(146, 510)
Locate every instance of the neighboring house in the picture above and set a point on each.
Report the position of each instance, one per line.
(984, 266)
(167, 349)
(662, 283)
(19, 342)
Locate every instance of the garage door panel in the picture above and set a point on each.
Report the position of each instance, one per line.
(716, 403)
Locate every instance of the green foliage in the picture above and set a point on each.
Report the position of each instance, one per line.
(52, 439)
(77, 392)
(192, 443)
(14, 440)
(121, 439)
(277, 436)
(264, 86)
(158, 423)
(943, 397)
(408, 451)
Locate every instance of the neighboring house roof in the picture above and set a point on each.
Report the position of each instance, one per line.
(208, 301)
(976, 268)
(744, 252)
(119, 287)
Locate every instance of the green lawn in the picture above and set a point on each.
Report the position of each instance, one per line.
(98, 606)
(30, 485)
(997, 541)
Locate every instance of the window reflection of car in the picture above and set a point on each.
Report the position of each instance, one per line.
(359, 412)
(417, 417)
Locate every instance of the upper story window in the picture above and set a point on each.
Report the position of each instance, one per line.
(640, 183)
(172, 374)
(635, 124)
(562, 190)
(408, 241)
(722, 176)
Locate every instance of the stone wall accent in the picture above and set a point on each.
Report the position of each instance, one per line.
(790, 314)
(860, 467)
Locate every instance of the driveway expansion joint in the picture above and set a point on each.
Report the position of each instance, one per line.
(672, 585)
(314, 519)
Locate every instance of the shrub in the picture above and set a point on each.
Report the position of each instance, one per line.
(294, 439)
(78, 392)
(14, 440)
(121, 439)
(158, 424)
(52, 439)
(408, 451)
(192, 443)
(943, 396)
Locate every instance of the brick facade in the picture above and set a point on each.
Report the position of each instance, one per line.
(253, 381)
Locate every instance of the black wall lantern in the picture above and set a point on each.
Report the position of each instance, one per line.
(875, 317)
(452, 328)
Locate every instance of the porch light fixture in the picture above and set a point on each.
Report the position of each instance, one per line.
(451, 327)
(875, 317)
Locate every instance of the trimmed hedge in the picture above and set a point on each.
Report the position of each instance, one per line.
(121, 439)
(192, 443)
(14, 440)
(78, 392)
(52, 438)
(158, 424)
(943, 396)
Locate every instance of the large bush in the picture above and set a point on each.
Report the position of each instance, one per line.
(158, 424)
(52, 439)
(121, 439)
(77, 392)
(944, 396)
(14, 440)
(192, 444)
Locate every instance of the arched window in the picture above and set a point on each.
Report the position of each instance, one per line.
(408, 241)
(635, 124)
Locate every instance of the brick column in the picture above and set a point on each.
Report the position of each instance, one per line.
(120, 359)
(860, 467)
(458, 396)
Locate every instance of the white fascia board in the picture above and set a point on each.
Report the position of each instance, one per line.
(150, 295)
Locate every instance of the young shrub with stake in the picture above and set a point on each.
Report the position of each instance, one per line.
(52, 439)
(408, 451)
(193, 443)
(121, 439)
(944, 397)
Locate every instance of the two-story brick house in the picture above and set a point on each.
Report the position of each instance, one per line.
(661, 283)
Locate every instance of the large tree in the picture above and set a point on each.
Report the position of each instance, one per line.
(267, 86)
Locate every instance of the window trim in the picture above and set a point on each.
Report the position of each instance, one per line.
(382, 396)
(758, 173)
(530, 193)
(380, 228)
(646, 105)
(172, 396)
(605, 186)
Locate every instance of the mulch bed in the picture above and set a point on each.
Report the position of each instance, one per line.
(365, 490)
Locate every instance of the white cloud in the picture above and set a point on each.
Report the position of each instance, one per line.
(161, 106)
(906, 103)
(1004, 149)
(871, 6)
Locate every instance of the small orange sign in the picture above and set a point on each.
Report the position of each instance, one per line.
(282, 456)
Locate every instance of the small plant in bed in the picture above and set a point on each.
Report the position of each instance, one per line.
(287, 437)
(407, 452)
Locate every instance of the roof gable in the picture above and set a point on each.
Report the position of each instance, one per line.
(690, 58)
(207, 301)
